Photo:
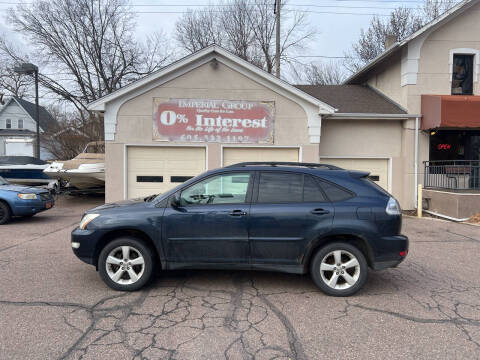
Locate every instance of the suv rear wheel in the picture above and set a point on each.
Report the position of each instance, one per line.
(339, 269)
(126, 264)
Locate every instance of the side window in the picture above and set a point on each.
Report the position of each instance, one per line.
(276, 187)
(335, 193)
(20, 123)
(311, 191)
(220, 189)
(462, 75)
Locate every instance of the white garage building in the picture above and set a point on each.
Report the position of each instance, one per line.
(212, 109)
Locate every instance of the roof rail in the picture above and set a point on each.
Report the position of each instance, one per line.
(285, 163)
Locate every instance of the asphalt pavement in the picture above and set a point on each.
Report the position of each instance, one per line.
(53, 306)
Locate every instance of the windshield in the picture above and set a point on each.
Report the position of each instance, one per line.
(3, 181)
(175, 189)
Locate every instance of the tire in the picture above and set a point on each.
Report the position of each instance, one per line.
(346, 279)
(116, 273)
(5, 213)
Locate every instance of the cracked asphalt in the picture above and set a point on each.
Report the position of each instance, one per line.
(52, 306)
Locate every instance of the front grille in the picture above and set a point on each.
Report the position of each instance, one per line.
(45, 196)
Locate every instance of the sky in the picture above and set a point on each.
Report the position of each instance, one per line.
(337, 22)
(336, 31)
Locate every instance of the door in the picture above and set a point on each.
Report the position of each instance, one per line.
(289, 211)
(378, 168)
(211, 223)
(233, 155)
(156, 169)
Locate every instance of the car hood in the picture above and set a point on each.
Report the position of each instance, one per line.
(124, 204)
(23, 189)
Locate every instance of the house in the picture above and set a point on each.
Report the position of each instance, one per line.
(18, 127)
(435, 73)
(212, 108)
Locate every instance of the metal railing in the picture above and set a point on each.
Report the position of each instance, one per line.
(452, 174)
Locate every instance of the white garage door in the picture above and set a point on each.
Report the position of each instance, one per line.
(378, 168)
(236, 155)
(156, 169)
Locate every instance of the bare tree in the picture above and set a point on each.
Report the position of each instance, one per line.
(239, 34)
(70, 133)
(432, 9)
(198, 29)
(245, 28)
(11, 83)
(85, 49)
(323, 73)
(401, 23)
(89, 45)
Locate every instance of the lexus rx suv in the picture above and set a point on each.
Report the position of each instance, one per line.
(291, 217)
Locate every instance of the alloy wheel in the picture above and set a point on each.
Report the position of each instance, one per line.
(125, 265)
(340, 269)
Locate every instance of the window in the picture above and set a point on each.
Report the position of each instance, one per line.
(462, 74)
(335, 193)
(8, 124)
(311, 191)
(220, 189)
(20, 123)
(148, 178)
(278, 187)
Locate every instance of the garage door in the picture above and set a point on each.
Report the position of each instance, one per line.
(237, 155)
(156, 169)
(378, 168)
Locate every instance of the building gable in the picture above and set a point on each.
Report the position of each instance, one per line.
(410, 48)
(111, 104)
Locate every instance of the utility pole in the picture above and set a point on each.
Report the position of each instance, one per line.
(30, 69)
(277, 30)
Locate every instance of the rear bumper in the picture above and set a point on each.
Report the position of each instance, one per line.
(390, 251)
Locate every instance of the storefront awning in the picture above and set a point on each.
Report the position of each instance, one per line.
(450, 111)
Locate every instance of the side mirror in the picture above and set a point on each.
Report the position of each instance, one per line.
(175, 200)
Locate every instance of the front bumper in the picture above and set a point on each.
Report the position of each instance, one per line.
(390, 251)
(84, 244)
(30, 207)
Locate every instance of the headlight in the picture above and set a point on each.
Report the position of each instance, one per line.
(393, 208)
(27, 196)
(86, 220)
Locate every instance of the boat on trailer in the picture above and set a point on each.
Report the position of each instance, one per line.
(85, 171)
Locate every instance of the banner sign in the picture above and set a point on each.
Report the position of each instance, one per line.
(205, 120)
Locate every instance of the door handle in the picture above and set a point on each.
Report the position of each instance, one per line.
(238, 213)
(320, 211)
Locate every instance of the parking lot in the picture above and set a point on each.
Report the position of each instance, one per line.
(54, 306)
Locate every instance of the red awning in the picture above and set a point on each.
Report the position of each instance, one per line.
(450, 111)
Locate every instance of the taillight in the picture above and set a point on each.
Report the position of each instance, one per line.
(393, 207)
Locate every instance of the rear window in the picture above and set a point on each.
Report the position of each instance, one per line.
(372, 183)
(334, 192)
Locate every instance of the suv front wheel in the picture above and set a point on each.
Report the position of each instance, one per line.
(339, 269)
(126, 264)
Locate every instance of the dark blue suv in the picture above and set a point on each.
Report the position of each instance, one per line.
(290, 217)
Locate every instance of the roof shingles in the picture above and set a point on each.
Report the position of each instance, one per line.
(353, 99)
(46, 120)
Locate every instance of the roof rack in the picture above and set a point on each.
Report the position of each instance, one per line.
(286, 163)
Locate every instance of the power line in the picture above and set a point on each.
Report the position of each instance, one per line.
(306, 11)
(253, 3)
